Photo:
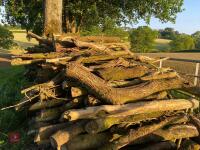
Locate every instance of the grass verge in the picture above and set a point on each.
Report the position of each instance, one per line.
(11, 82)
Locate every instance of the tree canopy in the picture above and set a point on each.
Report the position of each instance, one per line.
(196, 37)
(80, 14)
(168, 33)
(183, 42)
(142, 39)
(6, 38)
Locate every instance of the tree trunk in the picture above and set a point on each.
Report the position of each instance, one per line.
(173, 132)
(53, 17)
(130, 109)
(73, 25)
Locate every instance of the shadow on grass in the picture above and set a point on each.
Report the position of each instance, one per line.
(188, 51)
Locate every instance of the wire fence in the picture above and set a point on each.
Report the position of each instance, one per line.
(187, 67)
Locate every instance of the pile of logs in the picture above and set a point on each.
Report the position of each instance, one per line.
(88, 94)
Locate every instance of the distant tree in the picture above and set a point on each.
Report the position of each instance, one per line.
(182, 42)
(142, 39)
(196, 37)
(6, 38)
(168, 33)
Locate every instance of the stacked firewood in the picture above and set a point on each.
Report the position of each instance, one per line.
(96, 95)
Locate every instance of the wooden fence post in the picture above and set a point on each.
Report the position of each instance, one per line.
(161, 63)
(196, 74)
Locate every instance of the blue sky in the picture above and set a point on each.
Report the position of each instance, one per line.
(187, 21)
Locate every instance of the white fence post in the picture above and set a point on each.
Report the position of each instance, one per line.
(196, 74)
(161, 63)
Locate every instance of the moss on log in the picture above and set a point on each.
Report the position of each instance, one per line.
(110, 95)
(122, 73)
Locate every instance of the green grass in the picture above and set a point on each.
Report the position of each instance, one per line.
(21, 40)
(11, 82)
(162, 45)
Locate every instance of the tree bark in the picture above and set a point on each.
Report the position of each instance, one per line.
(171, 133)
(53, 17)
(130, 109)
(41, 40)
(87, 141)
(122, 73)
(78, 91)
(47, 104)
(73, 24)
(156, 76)
(101, 90)
(135, 134)
(102, 124)
(45, 132)
(63, 136)
(54, 113)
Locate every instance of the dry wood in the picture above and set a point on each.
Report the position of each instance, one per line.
(100, 39)
(156, 76)
(122, 73)
(122, 83)
(98, 58)
(114, 63)
(40, 39)
(41, 55)
(54, 113)
(159, 95)
(91, 101)
(140, 132)
(87, 141)
(171, 133)
(130, 109)
(89, 45)
(47, 104)
(45, 132)
(78, 91)
(52, 83)
(102, 124)
(107, 48)
(19, 61)
(115, 55)
(63, 136)
(110, 95)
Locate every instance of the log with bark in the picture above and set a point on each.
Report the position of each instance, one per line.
(110, 95)
(171, 133)
(130, 109)
(63, 136)
(133, 135)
